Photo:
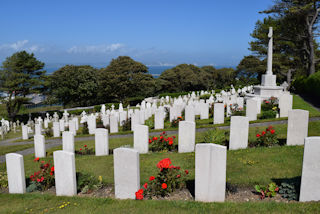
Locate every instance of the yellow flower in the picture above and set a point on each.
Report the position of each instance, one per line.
(100, 178)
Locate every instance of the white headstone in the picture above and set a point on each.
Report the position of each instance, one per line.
(39, 146)
(158, 119)
(72, 127)
(65, 173)
(285, 104)
(15, 172)
(252, 109)
(310, 178)
(113, 124)
(204, 111)
(297, 130)
(239, 132)
(141, 138)
(126, 172)
(210, 172)
(187, 136)
(25, 135)
(218, 114)
(56, 129)
(189, 113)
(101, 142)
(61, 123)
(68, 141)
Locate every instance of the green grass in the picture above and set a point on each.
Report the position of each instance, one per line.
(299, 103)
(37, 203)
(8, 149)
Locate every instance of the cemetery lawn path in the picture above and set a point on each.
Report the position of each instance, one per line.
(38, 203)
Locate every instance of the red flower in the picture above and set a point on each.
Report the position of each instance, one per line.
(85, 145)
(272, 131)
(151, 178)
(178, 167)
(51, 173)
(258, 135)
(42, 178)
(155, 138)
(161, 137)
(170, 142)
(164, 186)
(186, 171)
(263, 133)
(38, 180)
(270, 127)
(52, 169)
(36, 159)
(178, 176)
(42, 161)
(150, 141)
(80, 149)
(139, 194)
(276, 189)
(164, 164)
(163, 132)
(145, 185)
(174, 137)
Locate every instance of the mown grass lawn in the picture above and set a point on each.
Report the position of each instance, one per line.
(37, 203)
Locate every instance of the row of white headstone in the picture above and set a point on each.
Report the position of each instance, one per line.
(210, 172)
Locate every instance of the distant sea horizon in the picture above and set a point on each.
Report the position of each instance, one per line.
(154, 70)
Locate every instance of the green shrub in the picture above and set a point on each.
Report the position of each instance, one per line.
(3, 180)
(267, 114)
(126, 125)
(150, 123)
(175, 122)
(288, 191)
(48, 132)
(173, 95)
(267, 138)
(216, 136)
(162, 143)
(205, 96)
(267, 191)
(85, 129)
(87, 183)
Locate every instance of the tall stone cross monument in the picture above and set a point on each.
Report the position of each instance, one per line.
(269, 79)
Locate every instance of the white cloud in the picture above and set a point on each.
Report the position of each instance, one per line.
(21, 45)
(103, 48)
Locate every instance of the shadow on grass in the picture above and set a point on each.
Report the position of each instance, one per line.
(190, 186)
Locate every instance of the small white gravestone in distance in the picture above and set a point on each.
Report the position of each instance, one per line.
(65, 173)
(285, 104)
(25, 134)
(189, 113)
(239, 132)
(141, 138)
(218, 114)
(39, 146)
(101, 142)
(310, 178)
(187, 136)
(68, 141)
(113, 124)
(15, 172)
(56, 129)
(158, 119)
(126, 172)
(298, 121)
(210, 172)
(252, 109)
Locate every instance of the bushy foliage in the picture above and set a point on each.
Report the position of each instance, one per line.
(267, 137)
(162, 143)
(288, 191)
(168, 179)
(216, 136)
(3, 179)
(86, 182)
(85, 151)
(43, 179)
(175, 122)
(126, 125)
(85, 129)
(267, 191)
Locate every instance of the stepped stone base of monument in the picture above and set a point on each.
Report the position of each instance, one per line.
(266, 92)
(268, 80)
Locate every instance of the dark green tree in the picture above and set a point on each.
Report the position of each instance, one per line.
(183, 77)
(250, 69)
(300, 22)
(74, 85)
(21, 75)
(124, 78)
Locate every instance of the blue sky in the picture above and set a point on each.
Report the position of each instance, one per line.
(163, 32)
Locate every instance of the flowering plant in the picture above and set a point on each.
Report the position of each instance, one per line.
(267, 137)
(162, 143)
(168, 179)
(236, 110)
(175, 122)
(44, 178)
(269, 108)
(85, 151)
(267, 191)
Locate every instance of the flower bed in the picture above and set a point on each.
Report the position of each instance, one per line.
(162, 143)
(266, 138)
(85, 151)
(168, 179)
